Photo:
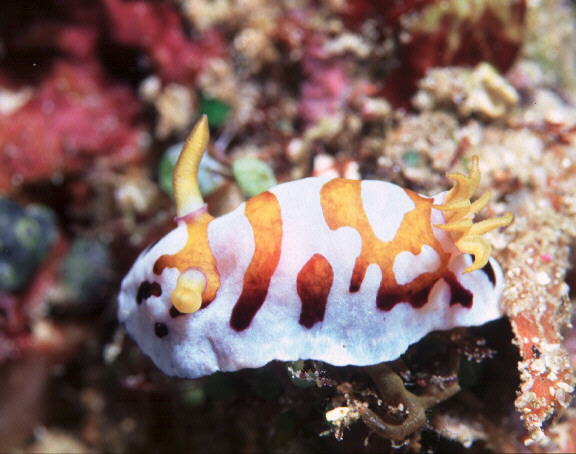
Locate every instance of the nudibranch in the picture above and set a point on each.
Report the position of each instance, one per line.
(347, 272)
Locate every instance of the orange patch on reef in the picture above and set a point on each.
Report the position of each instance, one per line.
(263, 213)
(195, 254)
(341, 201)
(535, 332)
(313, 285)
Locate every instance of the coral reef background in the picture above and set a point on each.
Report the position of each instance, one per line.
(95, 98)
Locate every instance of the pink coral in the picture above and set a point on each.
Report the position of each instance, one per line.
(326, 88)
(431, 33)
(75, 113)
(156, 28)
(80, 64)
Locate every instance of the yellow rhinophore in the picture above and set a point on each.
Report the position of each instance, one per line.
(459, 213)
(199, 280)
(187, 296)
(185, 180)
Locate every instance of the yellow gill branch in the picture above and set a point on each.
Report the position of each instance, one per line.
(459, 211)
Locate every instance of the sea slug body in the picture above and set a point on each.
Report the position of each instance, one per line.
(343, 271)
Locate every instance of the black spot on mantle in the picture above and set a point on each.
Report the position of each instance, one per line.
(146, 290)
(175, 312)
(161, 330)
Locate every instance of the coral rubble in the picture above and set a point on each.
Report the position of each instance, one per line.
(92, 94)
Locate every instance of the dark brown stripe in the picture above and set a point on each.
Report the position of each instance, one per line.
(263, 213)
(387, 301)
(313, 286)
(458, 294)
(342, 206)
